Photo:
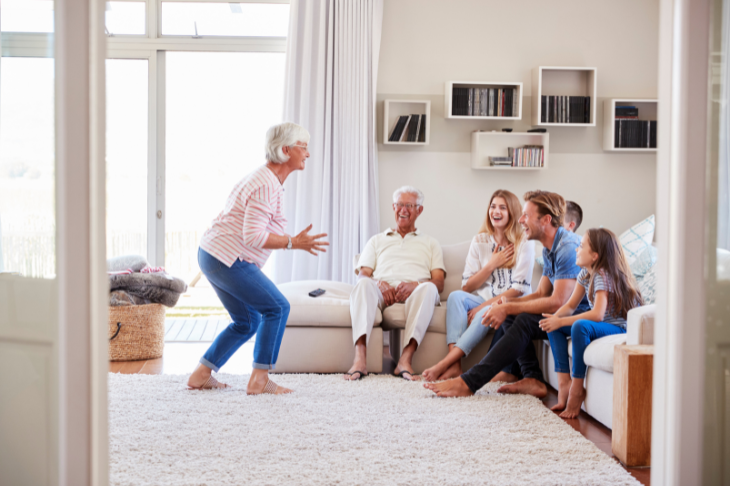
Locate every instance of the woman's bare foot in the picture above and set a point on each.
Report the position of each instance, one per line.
(199, 380)
(563, 392)
(258, 381)
(453, 371)
(503, 377)
(575, 400)
(435, 371)
(450, 388)
(526, 386)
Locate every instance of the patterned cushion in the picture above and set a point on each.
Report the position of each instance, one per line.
(644, 262)
(637, 238)
(647, 287)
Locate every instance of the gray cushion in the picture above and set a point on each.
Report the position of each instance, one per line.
(124, 262)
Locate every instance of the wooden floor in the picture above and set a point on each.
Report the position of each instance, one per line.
(183, 357)
(194, 330)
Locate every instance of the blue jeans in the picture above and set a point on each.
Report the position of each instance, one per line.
(256, 307)
(581, 333)
(458, 330)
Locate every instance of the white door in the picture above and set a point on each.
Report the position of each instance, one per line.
(52, 334)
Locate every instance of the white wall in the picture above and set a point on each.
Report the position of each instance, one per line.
(428, 42)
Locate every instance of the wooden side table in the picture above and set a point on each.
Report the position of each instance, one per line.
(632, 385)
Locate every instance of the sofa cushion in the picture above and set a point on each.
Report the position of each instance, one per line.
(331, 309)
(454, 261)
(599, 354)
(637, 238)
(394, 317)
(647, 286)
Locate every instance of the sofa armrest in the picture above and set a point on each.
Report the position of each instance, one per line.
(640, 328)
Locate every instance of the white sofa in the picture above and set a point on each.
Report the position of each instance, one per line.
(318, 338)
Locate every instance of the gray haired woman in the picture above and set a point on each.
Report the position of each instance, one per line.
(236, 246)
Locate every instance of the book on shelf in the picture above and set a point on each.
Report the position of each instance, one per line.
(527, 156)
(502, 102)
(501, 161)
(409, 128)
(633, 133)
(565, 109)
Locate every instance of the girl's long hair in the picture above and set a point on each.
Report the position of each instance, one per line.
(613, 265)
(513, 232)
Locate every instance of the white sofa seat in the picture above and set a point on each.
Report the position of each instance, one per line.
(318, 335)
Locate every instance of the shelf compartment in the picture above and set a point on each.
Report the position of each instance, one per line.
(563, 81)
(393, 109)
(495, 144)
(647, 111)
(449, 91)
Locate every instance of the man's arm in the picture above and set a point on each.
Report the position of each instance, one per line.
(548, 304)
(389, 293)
(544, 289)
(562, 290)
(405, 289)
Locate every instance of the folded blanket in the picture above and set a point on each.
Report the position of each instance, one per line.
(158, 288)
(122, 297)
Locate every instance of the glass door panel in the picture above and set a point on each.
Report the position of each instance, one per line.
(126, 149)
(219, 106)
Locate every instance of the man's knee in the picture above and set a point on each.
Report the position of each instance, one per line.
(428, 288)
(364, 283)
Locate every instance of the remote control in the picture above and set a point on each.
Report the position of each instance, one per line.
(316, 293)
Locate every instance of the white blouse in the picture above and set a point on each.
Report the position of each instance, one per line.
(502, 279)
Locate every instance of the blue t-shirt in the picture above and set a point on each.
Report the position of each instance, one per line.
(560, 261)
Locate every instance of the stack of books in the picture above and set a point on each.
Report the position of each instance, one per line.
(565, 109)
(630, 132)
(527, 156)
(500, 161)
(409, 128)
(484, 102)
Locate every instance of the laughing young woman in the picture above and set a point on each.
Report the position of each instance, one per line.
(499, 264)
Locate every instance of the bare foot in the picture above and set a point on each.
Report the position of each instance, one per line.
(526, 386)
(407, 370)
(450, 388)
(503, 377)
(201, 379)
(257, 388)
(434, 372)
(575, 400)
(563, 392)
(453, 371)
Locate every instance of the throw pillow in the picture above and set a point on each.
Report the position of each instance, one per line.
(647, 287)
(637, 238)
(124, 262)
(644, 262)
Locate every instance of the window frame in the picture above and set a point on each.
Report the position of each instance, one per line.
(153, 47)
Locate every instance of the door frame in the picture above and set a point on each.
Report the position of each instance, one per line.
(80, 52)
(679, 359)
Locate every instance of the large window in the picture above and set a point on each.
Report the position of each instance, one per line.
(219, 106)
(126, 156)
(191, 89)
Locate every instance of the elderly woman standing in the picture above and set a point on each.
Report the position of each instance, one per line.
(232, 252)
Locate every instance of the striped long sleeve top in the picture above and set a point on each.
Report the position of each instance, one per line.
(252, 211)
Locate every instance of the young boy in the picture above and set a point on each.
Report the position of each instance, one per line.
(573, 216)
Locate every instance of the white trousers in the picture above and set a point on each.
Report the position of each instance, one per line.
(366, 298)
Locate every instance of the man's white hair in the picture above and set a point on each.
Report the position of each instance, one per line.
(408, 190)
(283, 135)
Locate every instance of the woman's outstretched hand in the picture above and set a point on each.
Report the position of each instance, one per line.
(311, 243)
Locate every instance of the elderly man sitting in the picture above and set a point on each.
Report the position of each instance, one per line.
(400, 265)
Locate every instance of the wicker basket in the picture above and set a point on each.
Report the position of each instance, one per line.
(136, 332)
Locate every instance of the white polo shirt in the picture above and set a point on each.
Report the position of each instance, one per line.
(395, 259)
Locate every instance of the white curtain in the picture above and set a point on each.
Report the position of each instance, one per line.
(723, 195)
(331, 74)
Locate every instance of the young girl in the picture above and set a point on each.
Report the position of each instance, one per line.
(499, 263)
(607, 280)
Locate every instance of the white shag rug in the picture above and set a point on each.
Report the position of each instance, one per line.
(379, 430)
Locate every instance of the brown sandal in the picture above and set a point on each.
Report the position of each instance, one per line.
(210, 384)
(269, 389)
